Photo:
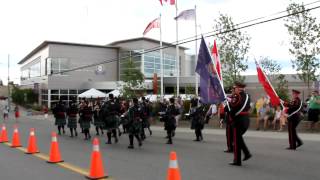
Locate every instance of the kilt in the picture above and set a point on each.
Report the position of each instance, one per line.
(135, 128)
(86, 124)
(111, 122)
(98, 122)
(60, 122)
(72, 122)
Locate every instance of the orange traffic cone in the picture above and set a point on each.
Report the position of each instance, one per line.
(15, 138)
(54, 150)
(96, 166)
(173, 171)
(32, 146)
(4, 136)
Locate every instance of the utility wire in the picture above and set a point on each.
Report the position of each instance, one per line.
(194, 38)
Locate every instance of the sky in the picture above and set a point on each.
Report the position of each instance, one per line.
(26, 24)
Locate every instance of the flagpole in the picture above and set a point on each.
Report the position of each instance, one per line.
(161, 59)
(177, 52)
(196, 45)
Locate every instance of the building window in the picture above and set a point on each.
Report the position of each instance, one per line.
(152, 64)
(59, 65)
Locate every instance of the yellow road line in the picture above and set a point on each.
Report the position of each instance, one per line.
(62, 164)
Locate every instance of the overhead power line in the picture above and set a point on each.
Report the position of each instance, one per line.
(194, 38)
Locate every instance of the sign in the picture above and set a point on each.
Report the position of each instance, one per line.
(99, 70)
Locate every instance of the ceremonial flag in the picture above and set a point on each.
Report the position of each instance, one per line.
(153, 24)
(172, 2)
(211, 90)
(189, 14)
(216, 58)
(263, 79)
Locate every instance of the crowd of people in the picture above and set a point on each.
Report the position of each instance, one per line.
(134, 117)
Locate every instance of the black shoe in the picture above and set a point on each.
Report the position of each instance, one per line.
(140, 144)
(169, 142)
(228, 151)
(289, 148)
(71, 136)
(130, 147)
(120, 133)
(76, 134)
(64, 132)
(235, 164)
(150, 132)
(173, 134)
(116, 140)
(109, 142)
(299, 144)
(196, 140)
(247, 157)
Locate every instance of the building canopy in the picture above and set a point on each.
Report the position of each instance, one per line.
(92, 93)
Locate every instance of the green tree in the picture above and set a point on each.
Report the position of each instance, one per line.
(305, 37)
(233, 49)
(282, 87)
(23, 96)
(133, 80)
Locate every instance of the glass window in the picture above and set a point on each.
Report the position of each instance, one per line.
(82, 90)
(71, 91)
(157, 60)
(62, 91)
(55, 97)
(44, 97)
(64, 97)
(35, 70)
(54, 91)
(59, 64)
(148, 65)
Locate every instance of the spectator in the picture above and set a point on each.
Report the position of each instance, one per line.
(260, 102)
(283, 118)
(45, 112)
(264, 115)
(5, 113)
(314, 109)
(277, 118)
(17, 113)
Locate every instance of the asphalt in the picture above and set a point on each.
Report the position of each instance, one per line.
(197, 160)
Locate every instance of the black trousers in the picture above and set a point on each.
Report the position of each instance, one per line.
(229, 136)
(240, 127)
(198, 132)
(292, 131)
(169, 134)
(131, 136)
(114, 133)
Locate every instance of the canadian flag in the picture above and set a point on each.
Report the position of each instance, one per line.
(216, 58)
(153, 24)
(172, 2)
(263, 79)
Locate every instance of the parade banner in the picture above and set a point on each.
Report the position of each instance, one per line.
(211, 90)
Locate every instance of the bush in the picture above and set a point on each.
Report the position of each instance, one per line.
(23, 96)
(36, 107)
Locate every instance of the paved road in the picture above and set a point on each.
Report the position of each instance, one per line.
(197, 161)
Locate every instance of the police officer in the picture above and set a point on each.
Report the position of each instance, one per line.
(98, 123)
(72, 112)
(60, 115)
(134, 123)
(87, 114)
(110, 115)
(197, 116)
(170, 120)
(294, 107)
(240, 106)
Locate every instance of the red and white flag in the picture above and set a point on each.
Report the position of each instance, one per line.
(172, 2)
(263, 79)
(216, 59)
(153, 24)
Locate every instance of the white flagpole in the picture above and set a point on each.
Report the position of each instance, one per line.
(177, 52)
(161, 60)
(196, 41)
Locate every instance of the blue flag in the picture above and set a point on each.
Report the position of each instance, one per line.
(211, 91)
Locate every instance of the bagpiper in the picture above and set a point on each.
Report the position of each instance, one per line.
(60, 116)
(98, 122)
(294, 107)
(134, 123)
(72, 112)
(240, 106)
(197, 115)
(110, 115)
(170, 120)
(145, 110)
(86, 113)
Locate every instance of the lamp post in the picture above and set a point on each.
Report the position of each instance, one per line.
(8, 83)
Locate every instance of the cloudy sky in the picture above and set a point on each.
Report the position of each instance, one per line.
(25, 24)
